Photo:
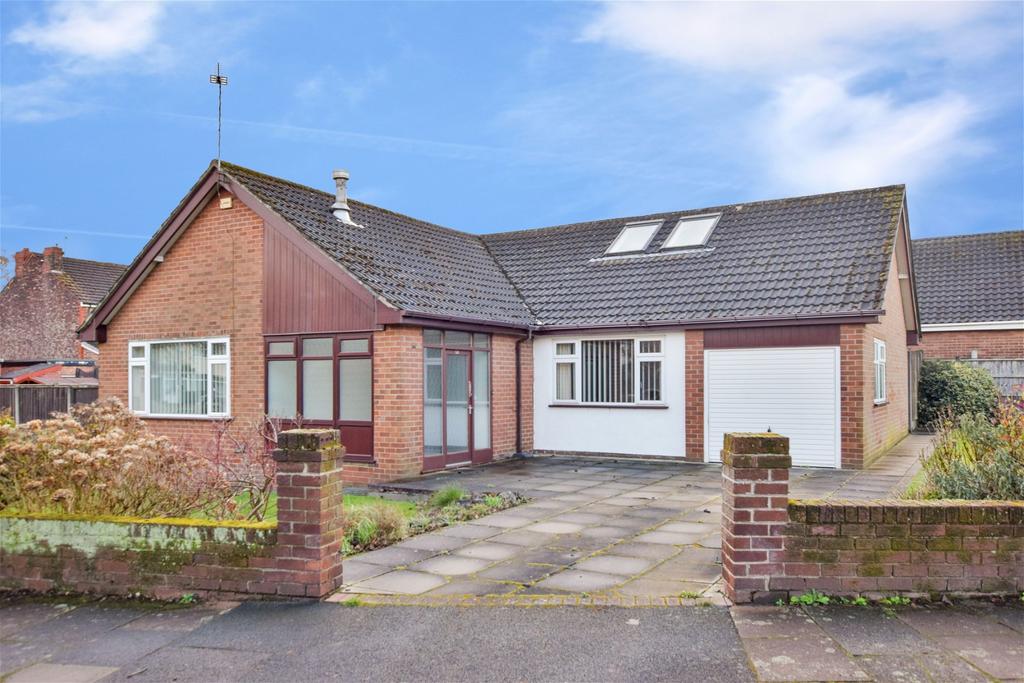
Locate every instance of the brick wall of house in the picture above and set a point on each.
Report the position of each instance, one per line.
(886, 424)
(39, 312)
(853, 386)
(526, 370)
(987, 344)
(210, 284)
(694, 368)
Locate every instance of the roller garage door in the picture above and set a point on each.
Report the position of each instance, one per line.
(792, 391)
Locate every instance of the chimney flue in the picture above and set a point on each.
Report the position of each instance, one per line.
(340, 206)
(53, 259)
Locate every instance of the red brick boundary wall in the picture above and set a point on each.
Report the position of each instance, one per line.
(297, 557)
(772, 547)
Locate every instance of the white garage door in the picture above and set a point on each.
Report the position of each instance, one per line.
(792, 391)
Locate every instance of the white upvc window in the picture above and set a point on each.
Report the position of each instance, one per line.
(180, 378)
(879, 371)
(614, 371)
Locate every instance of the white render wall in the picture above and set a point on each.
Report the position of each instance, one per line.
(635, 431)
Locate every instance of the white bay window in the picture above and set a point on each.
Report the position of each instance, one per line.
(180, 378)
(608, 372)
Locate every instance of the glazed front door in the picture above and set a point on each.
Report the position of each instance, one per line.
(458, 407)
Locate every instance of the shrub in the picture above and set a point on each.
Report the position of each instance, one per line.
(374, 526)
(447, 496)
(977, 458)
(956, 388)
(101, 460)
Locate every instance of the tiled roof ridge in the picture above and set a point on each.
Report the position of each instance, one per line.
(277, 179)
(991, 233)
(694, 211)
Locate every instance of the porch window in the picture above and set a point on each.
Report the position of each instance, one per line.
(608, 371)
(321, 379)
(179, 378)
(879, 371)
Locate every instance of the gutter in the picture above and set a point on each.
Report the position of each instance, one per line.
(870, 316)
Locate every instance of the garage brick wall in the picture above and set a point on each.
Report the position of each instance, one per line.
(886, 424)
(694, 367)
(987, 343)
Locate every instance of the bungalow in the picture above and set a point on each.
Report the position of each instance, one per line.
(972, 295)
(431, 348)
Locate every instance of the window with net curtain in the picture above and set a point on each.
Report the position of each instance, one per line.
(608, 371)
(179, 378)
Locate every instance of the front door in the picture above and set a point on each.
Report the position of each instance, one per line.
(457, 406)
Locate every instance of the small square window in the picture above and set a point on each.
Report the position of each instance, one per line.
(281, 348)
(138, 352)
(317, 347)
(565, 349)
(481, 341)
(650, 346)
(219, 349)
(634, 237)
(355, 345)
(432, 337)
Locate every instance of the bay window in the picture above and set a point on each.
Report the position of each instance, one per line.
(180, 378)
(608, 371)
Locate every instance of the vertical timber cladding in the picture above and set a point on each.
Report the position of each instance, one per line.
(785, 379)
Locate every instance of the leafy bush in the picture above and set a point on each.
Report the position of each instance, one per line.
(447, 496)
(977, 458)
(956, 388)
(102, 460)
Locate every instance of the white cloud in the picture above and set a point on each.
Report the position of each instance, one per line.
(38, 102)
(818, 136)
(784, 37)
(100, 31)
(832, 94)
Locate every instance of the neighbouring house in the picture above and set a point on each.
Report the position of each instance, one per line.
(430, 347)
(972, 301)
(41, 308)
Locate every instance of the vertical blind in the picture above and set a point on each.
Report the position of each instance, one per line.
(607, 371)
(178, 379)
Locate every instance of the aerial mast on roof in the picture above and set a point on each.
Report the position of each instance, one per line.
(220, 81)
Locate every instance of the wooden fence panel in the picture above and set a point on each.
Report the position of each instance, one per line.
(1008, 373)
(28, 402)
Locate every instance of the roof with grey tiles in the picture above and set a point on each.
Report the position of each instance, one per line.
(806, 256)
(91, 279)
(417, 266)
(970, 278)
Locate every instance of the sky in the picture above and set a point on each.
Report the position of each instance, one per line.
(498, 116)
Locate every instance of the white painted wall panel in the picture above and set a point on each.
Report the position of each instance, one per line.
(792, 391)
(637, 431)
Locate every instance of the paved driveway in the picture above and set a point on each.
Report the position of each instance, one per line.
(612, 531)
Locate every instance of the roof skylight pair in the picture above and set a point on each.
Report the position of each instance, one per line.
(690, 231)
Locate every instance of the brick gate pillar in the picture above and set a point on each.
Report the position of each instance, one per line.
(309, 515)
(755, 496)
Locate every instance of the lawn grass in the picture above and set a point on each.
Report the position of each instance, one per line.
(351, 502)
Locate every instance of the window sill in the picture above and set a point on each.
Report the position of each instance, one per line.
(610, 406)
(879, 404)
(205, 418)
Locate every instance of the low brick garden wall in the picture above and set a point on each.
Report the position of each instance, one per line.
(297, 556)
(773, 547)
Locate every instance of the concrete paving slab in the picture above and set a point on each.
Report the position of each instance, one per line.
(23, 616)
(451, 565)
(615, 564)
(578, 581)
(801, 659)
(392, 556)
(525, 539)
(115, 648)
(486, 550)
(652, 551)
(944, 621)
(1000, 655)
(431, 541)
(179, 620)
(502, 521)
(869, 631)
(402, 581)
(470, 531)
(756, 621)
(517, 572)
(474, 587)
(609, 533)
(919, 669)
(667, 538)
(555, 528)
(61, 673)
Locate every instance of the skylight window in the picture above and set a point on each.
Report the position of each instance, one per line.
(691, 231)
(634, 237)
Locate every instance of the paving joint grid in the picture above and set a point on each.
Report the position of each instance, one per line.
(615, 482)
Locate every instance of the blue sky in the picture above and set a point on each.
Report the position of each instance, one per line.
(492, 116)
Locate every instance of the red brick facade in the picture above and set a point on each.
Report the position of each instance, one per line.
(210, 284)
(986, 343)
(773, 547)
(694, 369)
(39, 310)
